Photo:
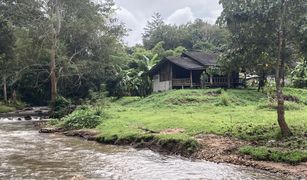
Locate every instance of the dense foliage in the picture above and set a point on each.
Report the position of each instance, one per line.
(81, 49)
(82, 119)
(197, 35)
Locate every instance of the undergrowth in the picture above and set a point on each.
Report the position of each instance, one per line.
(270, 154)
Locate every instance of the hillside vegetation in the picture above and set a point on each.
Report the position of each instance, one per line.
(181, 115)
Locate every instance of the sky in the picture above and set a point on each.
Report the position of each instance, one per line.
(136, 13)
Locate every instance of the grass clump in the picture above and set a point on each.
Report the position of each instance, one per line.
(269, 154)
(5, 108)
(11, 106)
(225, 100)
(289, 106)
(82, 119)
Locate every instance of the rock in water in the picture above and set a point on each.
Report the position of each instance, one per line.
(28, 109)
(28, 118)
(49, 130)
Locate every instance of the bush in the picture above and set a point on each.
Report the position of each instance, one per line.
(61, 107)
(268, 154)
(60, 103)
(82, 119)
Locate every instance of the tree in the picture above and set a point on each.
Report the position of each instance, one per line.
(197, 35)
(7, 41)
(280, 68)
(60, 48)
(55, 18)
(153, 30)
(262, 28)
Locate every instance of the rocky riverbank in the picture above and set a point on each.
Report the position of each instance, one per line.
(210, 147)
(27, 113)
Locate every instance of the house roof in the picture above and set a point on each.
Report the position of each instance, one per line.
(189, 61)
(203, 58)
(186, 63)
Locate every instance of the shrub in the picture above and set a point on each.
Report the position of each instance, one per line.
(60, 103)
(82, 118)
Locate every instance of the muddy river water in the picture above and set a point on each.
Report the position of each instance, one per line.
(26, 154)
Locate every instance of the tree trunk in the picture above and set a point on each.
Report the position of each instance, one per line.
(245, 80)
(14, 96)
(56, 27)
(283, 59)
(53, 77)
(285, 130)
(5, 89)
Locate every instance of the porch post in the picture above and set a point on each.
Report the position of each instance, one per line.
(191, 79)
(171, 76)
(228, 80)
(211, 79)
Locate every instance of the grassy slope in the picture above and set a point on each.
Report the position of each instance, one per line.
(198, 111)
(240, 113)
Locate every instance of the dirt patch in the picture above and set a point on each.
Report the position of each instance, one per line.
(172, 131)
(214, 147)
(225, 150)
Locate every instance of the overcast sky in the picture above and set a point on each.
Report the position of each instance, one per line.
(136, 13)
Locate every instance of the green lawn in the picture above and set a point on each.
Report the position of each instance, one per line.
(240, 113)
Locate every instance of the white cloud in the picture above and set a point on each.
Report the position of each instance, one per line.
(136, 13)
(181, 16)
(132, 23)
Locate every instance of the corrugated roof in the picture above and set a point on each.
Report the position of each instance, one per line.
(203, 58)
(186, 63)
(189, 61)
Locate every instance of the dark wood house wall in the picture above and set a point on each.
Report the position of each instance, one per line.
(165, 72)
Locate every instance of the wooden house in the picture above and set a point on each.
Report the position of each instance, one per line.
(186, 72)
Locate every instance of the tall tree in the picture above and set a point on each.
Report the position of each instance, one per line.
(260, 35)
(55, 18)
(7, 41)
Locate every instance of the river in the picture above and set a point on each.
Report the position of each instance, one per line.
(26, 154)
